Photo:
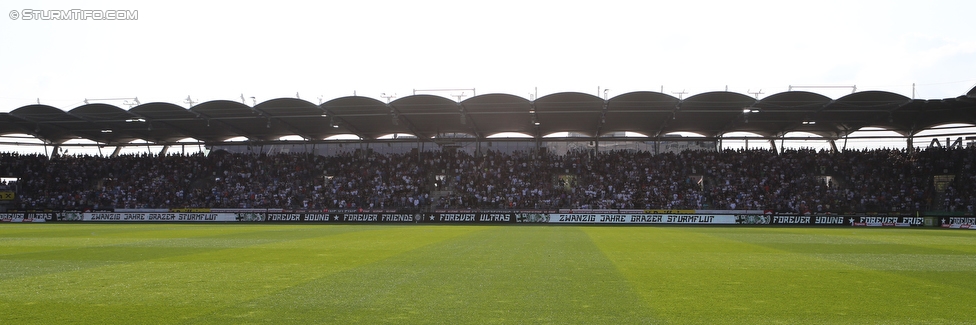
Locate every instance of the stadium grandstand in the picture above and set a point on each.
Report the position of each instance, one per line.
(426, 152)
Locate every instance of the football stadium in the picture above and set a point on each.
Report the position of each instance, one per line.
(631, 209)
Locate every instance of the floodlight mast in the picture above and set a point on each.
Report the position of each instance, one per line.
(462, 95)
(757, 93)
(680, 94)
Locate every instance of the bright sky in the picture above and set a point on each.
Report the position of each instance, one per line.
(271, 49)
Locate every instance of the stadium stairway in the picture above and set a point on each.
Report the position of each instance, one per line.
(435, 196)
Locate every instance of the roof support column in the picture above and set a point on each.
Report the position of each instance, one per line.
(163, 151)
(54, 151)
(833, 146)
(911, 143)
(772, 145)
(115, 153)
(538, 147)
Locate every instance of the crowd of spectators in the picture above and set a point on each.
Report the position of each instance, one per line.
(792, 181)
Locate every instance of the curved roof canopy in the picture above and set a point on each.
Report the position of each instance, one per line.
(426, 116)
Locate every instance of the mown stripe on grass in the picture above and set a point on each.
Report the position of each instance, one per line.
(858, 240)
(941, 241)
(693, 275)
(69, 247)
(175, 288)
(915, 269)
(74, 236)
(496, 275)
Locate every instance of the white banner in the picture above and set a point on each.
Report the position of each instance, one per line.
(961, 221)
(643, 219)
(21, 220)
(959, 226)
(180, 217)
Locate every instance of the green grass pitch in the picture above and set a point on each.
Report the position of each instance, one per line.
(451, 274)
